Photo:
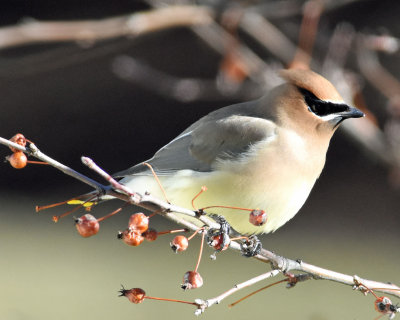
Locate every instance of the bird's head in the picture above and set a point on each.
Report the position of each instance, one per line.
(311, 102)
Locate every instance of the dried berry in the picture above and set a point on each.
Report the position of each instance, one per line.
(192, 280)
(18, 160)
(135, 295)
(131, 237)
(383, 305)
(150, 235)
(258, 217)
(87, 225)
(217, 243)
(179, 243)
(139, 222)
(18, 139)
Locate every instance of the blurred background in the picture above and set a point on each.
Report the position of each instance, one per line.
(116, 80)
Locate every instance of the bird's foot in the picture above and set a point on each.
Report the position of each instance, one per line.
(251, 246)
(219, 238)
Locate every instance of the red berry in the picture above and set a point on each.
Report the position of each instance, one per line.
(217, 243)
(192, 280)
(258, 217)
(87, 225)
(135, 295)
(18, 160)
(139, 222)
(383, 304)
(18, 139)
(179, 243)
(131, 237)
(150, 235)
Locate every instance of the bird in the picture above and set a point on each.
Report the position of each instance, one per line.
(263, 154)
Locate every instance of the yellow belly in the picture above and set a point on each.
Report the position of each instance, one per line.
(279, 199)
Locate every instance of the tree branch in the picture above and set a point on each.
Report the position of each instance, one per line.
(88, 31)
(147, 201)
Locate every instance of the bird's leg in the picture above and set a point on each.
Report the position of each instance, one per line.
(222, 234)
(251, 246)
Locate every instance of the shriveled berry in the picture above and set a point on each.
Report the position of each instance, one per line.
(135, 295)
(87, 225)
(18, 160)
(18, 139)
(139, 222)
(217, 243)
(150, 235)
(131, 237)
(258, 217)
(179, 243)
(192, 280)
(383, 305)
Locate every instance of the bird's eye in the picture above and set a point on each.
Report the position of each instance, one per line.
(312, 108)
(320, 107)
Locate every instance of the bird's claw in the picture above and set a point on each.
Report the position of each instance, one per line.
(251, 246)
(222, 233)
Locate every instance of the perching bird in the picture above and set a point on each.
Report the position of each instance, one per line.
(263, 154)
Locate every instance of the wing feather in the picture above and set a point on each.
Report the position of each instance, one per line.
(213, 138)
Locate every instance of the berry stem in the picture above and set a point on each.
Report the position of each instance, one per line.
(201, 250)
(37, 162)
(154, 213)
(56, 218)
(40, 208)
(112, 213)
(171, 300)
(157, 180)
(172, 231)
(203, 189)
(254, 292)
(239, 238)
(369, 290)
(194, 233)
(227, 207)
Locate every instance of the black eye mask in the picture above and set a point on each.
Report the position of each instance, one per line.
(322, 108)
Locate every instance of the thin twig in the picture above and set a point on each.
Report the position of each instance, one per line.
(35, 152)
(209, 302)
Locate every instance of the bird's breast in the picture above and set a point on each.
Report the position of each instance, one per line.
(275, 177)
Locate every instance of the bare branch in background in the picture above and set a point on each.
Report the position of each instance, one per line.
(181, 89)
(312, 11)
(88, 32)
(389, 86)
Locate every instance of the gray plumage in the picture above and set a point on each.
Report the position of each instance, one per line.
(211, 139)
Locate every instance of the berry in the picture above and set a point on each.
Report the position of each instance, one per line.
(179, 243)
(18, 160)
(18, 139)
(87, 225)
(258, 217)
(150, 235)
(139, 222)
(383, 305)
(217, 243)
(192, 280)
(135, 295)
(131, 237)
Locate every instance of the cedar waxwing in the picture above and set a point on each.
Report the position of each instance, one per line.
(263, 154)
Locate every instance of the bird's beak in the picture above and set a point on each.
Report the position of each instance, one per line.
(351, 113)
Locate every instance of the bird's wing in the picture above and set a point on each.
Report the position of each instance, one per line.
(213, 138)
